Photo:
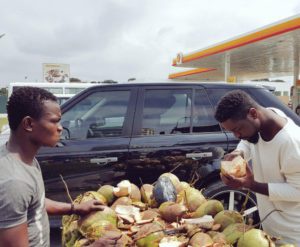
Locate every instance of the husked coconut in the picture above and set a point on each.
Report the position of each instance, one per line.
(235, 167)
(173, 241)
(123, 189)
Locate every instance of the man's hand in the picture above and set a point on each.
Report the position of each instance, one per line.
(87, 207)
(243, 182)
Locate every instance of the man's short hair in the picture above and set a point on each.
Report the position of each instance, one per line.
(26, 101)
(234, 105)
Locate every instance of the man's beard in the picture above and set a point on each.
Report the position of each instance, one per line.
(253, 139)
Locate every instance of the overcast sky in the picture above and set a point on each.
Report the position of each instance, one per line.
(121, 39)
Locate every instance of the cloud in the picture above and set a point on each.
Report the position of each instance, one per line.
(118, 39)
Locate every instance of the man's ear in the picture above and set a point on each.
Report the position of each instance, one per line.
(253, 113)
(27, 123)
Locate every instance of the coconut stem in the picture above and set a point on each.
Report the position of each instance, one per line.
(176, 167)
(245, 202)
(66, 187)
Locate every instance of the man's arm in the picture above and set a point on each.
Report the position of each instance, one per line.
(62, 208)
(15, 236)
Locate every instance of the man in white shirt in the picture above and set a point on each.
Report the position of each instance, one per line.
(272, 142)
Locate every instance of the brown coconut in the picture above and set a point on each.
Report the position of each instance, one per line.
(150, 214)
(121, 201)
(171, 211)
(201, 239)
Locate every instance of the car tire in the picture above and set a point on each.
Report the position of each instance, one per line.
(233, 199)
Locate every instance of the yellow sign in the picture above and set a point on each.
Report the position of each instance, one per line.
(231, 79)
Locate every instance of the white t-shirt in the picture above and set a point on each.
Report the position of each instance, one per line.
(277, 163)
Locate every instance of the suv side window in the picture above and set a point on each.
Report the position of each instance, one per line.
(101, 114)
(203, 116)
(166, 112)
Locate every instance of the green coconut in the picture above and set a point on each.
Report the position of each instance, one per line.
(255, 237)
(210, 207)
(107, 192)
(146, 193)
(227, 217)
(171, 211)
(174, 179)
(149, 235)
(98, 229)
(184, 185)
(234, 231)
(217, 237)
(135, 194)
(107, 215)
(93, 195)
(201, 239)
(82, 243)
(191, 198)
(70, 234)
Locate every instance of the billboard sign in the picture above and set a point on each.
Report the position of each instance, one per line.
(56, 72)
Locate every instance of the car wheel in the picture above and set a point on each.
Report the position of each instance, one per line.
(234, 199)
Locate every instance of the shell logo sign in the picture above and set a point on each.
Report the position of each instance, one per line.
(179, 58)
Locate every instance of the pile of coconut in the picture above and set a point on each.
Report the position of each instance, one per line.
(169, 213)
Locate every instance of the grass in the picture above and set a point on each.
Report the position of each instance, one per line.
(3, 121)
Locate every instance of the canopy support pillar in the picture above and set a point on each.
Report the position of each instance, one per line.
(296, 87)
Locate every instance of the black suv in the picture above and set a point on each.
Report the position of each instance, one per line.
(138, 131)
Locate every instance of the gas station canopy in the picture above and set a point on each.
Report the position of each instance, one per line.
(271, 51)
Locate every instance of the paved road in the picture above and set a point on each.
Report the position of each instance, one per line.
(55, 237)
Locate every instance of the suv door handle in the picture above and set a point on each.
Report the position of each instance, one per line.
(199, 155)
(103, 161)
